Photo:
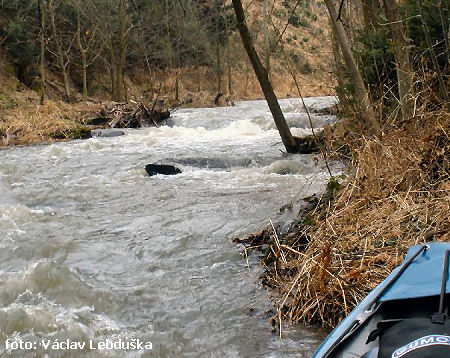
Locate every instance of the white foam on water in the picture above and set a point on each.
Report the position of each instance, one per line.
(93, 248)
(13, 217)
(285, 167)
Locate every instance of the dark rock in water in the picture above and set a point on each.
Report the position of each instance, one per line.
(104, 133)
(307, 145)
(164, 169)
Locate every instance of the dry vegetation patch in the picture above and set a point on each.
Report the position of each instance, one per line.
(398, 195)
(56, 120)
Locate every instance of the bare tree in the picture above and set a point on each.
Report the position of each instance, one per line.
(338, 67)
(371, 10)
(229, 63)
(361, 95)
(402, 57)
(41, 5)
(263, 78)
(63, 60)
(121, 64)
(442, 87)
(443, 14)
(218, 50)
(83, 52)
(113, 19)
(266, 36)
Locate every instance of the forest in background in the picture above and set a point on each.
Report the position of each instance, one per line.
(120, 49)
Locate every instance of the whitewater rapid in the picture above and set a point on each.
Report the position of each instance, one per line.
(94, 250)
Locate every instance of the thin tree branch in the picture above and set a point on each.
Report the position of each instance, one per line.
(341, 6)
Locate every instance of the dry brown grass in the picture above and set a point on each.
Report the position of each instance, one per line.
(24, 121)
(398, 195)
(32, 123)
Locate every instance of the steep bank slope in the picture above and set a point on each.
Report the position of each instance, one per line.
(398, 195)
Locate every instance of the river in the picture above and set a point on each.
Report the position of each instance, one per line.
(93, 250)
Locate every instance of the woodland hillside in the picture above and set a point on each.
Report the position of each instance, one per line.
(188, 51)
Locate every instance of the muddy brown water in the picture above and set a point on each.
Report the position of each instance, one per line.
(95, 251)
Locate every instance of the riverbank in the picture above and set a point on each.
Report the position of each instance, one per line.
(24, 121)
(60, 121)
(31, 123)
(350, 238)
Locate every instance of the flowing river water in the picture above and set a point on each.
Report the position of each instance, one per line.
(92, 249)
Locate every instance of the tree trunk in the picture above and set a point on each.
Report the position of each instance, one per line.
(114, 79)
(230, 79)
(229, 65)
(122, 52)
(339, 67)
(119, 83)
(402, 57)
(61, 59)
(41, 6)
(177, 85)
(218, 54)
(266, 37)
(118, 57)
(371, 11)
(442, 88)
(263, 78)
(247, 75)
(169, 40)
(219, 66)
(84, 64)
(151, 71)
(125, 88)
(361, 94)
(443, 14)
(83, 52)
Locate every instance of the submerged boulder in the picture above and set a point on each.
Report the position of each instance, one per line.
(164, 169)
(106, 133)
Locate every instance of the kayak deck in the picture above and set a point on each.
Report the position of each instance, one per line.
(411, 290)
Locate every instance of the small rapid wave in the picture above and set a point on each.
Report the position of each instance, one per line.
(58, 283)
(94, 249)
(287, 167)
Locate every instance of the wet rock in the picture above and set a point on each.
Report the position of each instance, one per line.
(164, 169)
(307, 145)
(105, 133)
